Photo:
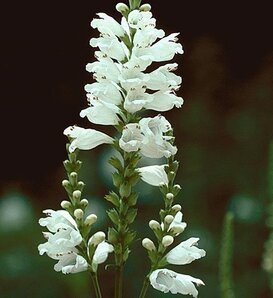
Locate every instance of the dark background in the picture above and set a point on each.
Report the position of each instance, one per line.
(223, 132)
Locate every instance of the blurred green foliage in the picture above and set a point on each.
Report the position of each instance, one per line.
(223, 134)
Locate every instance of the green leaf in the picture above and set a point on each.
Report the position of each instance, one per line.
(125, 190)
(132, 199)
(112, 235)
(117, 179)
(113, 198)
(129, 237)
(116, 163)
(113, 215)
(131, 215)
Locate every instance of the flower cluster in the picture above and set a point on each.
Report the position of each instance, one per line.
(125, 86)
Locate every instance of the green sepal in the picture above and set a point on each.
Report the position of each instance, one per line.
(80, 185)
(126, 254)
(94, 267)
(152, 256)
(131, 215)
(68, 188)
(73, 179)
(176, 190)
(68, 166)
(132, 199)
(125, 189)
(134, 178)
(162, 263)
(134, 160)
(129, 237)
(113, 198)
(118, 249)
(112, 235)
(72, 157)
(164, 189)
(114, 216)
(117, 179)
(116, 163)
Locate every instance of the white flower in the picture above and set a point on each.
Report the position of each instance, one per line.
(108, 25)
(111, 46)
(155, 144)
(185, 252)
(86, 139)
(62, 240)
(101, 112)
(166, 281)
(131, 138)
(177, 224)
(136, 99)
(101, 252)
(104, 68)
(140, 19)
(71, 263)
(163, 79)
(153, 175)
(163, 50)
(104, 91)
(164, 101)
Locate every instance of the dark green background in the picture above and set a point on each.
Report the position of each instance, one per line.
(223, 133)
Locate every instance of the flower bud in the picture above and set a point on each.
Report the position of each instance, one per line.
(91, 219)
(78, 213)
(84, 202)
(167, 240)
(176, 208)
(77, 194)
(177, 229)
(169, 196)
(168, 219)
(65, 183)
(145, 7)
(73, 175)
(148, 244)
(153, 224)
(65, 204)
(122, 7)
(96, 239)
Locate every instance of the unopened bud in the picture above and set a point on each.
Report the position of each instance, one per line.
(122, 7)
(169, 196)
(148, 244)
(167, 240)
(84, 202)
(153, 224)
(65, 183)
(77, 194)
(176, 208)
(96, 239)
(91, 219)
(168, 219)
(145, 7)
(178, 229)
(73, 175)
(65, 204)
(78, 213)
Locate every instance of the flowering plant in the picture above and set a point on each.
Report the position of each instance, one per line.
(125, 89)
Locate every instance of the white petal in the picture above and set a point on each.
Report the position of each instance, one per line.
(108, 25)
(86, 139)
(71, 263)
(166, 281)
(101, 252)
(154, 175)
(164, 101)
(185, 252)
(101, 113)
(131, 138)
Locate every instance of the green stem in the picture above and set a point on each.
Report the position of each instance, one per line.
(96, 284)
(119, 281)
(144, 287)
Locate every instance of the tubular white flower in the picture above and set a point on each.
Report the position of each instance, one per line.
(177, 223)
(164, 101)
(62, 240)
(140, 19)
(86, 139)
(107, 25)
(166, 281)
(153, 175)
(155, 144)
(111, 46)
(101, 112)
(185, 252)
(107, 92)
(101, 252)
(136, 99)
(131, 138)
(163, 78)
(163, 50)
